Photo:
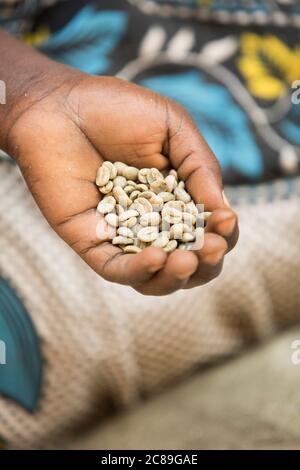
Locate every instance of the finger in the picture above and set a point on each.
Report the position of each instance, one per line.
(179, 267)
(224, 223)
(128, 269)
(136, 113)
(210, 260)
(194, 160)
(64, 188)
(90, 236)
(60, 176)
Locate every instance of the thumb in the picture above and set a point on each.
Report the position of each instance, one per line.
(194, 160)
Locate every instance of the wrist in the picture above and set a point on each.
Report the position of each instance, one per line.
(43, 84)
(26, 78)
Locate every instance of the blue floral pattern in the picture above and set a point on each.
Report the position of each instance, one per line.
(222, 122)
(20, 354)
(87, 48)
(252, 129)
(289, 126)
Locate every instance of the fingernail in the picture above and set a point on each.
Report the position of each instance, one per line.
(186, 275)
(227, 226)
(226, 202)
(154, 269)
(215, 258)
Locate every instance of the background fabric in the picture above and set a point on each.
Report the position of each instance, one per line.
(240, 83)
(224, 11)
(105, 345)
(20, 359)
(102, 342)
(18, 15)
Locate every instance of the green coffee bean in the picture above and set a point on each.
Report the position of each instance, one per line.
(149, 208)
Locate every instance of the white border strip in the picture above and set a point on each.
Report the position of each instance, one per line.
(277, 18)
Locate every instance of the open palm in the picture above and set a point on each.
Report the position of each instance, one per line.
(62, 139)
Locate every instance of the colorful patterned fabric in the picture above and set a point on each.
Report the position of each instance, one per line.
(240, 83)
(20, 356)
(104, 343)
(18, 15)
(241, 11)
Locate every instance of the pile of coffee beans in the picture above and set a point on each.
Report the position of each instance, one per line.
(148, 208)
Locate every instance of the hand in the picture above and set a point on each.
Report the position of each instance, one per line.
(61, 139)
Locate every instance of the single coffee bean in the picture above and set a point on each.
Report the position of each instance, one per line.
(142, 187)
(125, 232)
(151, 218)
(120, 181)
(121, 197)
(153, 175)
(134, 194)
(128, 189)
(120, 240)
(148, 194)
(187, 237)
(176, 231)
(107, 188)
(171, 246)
(159, 186)
(171, 215)
(174, 173)
(103, 175)
(191, 208)
(142, 205)
(112, 169)
(181, 194)
(166, 196)
(120, 166)
(131, 183)
(112, 219)
(148, 234)
(171, 182)
(142, 175)
(132, 249)
(128, 214)
(119, 209)
(160, 242)
(106, 205)
(130, 173)
(178, 205)
(157, 203)
(188, 219)
(131, 222)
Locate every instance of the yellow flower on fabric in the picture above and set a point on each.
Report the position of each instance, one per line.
(205, 3)
(37, 37)
(268, 65)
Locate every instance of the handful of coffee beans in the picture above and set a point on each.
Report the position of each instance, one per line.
(148, 208)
